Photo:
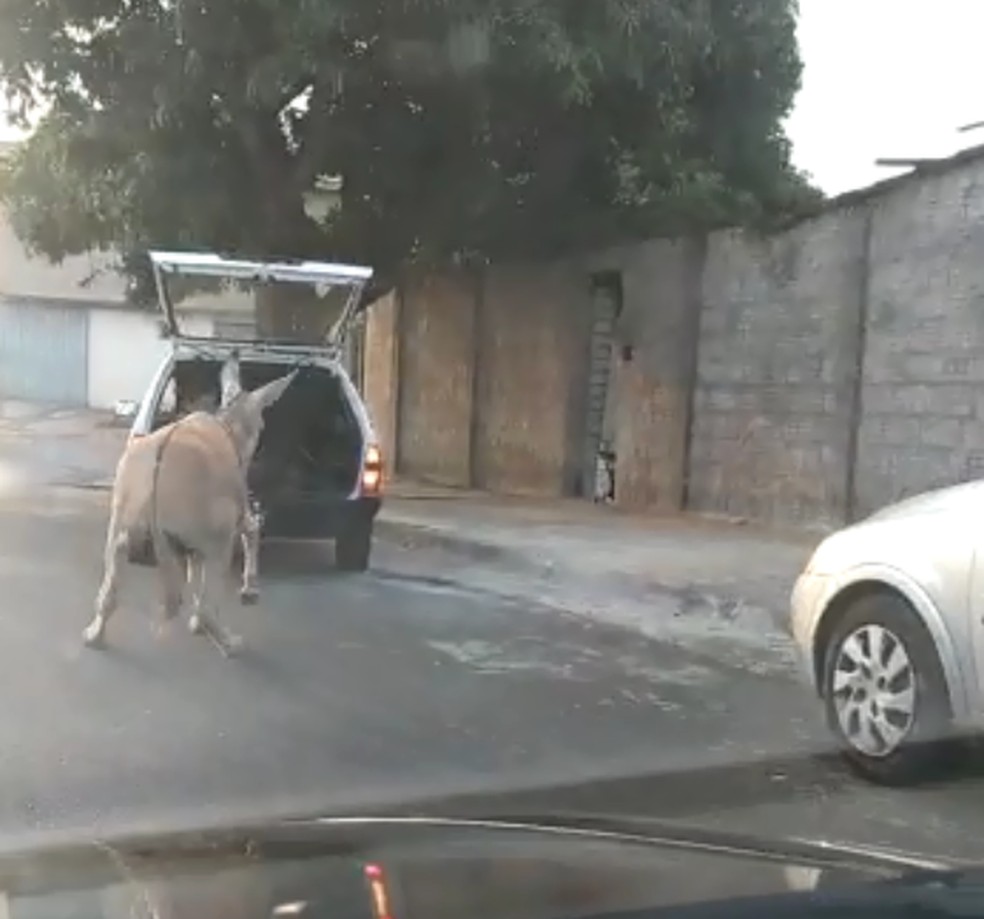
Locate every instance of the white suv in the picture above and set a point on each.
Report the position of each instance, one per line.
(317, 471)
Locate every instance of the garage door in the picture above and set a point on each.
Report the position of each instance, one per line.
(43, 352)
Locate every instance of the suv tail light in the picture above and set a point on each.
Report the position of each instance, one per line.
(372, 471)
(378, 891)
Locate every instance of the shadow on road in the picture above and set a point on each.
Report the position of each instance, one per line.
(282, 560)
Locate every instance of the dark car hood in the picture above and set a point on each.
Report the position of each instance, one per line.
(434, 867)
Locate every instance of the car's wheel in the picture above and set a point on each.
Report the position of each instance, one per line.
(884, 691)
(353, 548)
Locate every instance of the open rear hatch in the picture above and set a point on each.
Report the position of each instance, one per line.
(292, 303)
(312, 442)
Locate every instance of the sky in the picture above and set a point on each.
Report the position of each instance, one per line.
(885, 78)
(882, 78)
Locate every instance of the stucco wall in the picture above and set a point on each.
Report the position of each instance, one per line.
(88, 278)
(125, 349)
(532, 343)
(437, 315)
(381, 357)
(514, 427)
(655, 354)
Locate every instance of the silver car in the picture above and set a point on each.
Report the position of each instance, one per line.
(888, 617)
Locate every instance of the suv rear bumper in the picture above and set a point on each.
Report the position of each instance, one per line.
(317, 517)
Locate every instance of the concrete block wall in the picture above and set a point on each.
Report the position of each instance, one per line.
(805, 377)
(777, 364)
(923, 395)
(531, 351)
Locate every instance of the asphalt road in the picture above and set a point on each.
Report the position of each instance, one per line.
(395, 689)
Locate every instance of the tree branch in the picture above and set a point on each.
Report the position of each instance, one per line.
(317, 135)
(297, 87)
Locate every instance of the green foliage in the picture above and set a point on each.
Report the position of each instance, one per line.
(461, 128)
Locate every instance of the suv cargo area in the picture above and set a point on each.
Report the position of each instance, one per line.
(307, 471)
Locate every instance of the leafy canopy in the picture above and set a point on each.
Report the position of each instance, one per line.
(459, 128)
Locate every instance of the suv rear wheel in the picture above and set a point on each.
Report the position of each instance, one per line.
(353, 547)
(885, 693)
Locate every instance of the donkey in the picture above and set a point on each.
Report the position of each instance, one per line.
(184, 486)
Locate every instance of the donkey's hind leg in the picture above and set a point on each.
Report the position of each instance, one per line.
(208, 577)
(172, 569)
(196, 582)
(249, 592)
(108, 596)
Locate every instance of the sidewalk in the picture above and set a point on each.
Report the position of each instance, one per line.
(702, 583)
(42, 445)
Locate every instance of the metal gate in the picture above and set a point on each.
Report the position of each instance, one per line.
(43, 352)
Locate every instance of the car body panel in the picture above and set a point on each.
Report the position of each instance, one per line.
(815, 595)
(447, 867)
(965, 498)
(925, 549)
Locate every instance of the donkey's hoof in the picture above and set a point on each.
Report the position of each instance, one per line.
(93, 636)
(196, 626)
(162, 630)
(232, 644)
(249, 596)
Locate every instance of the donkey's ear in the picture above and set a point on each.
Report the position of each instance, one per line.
(261, 399)
(229, 377)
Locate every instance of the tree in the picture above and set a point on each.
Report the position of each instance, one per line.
(460, 128)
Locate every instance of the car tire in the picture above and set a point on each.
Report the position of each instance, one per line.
(880, 652)
(353, 548)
